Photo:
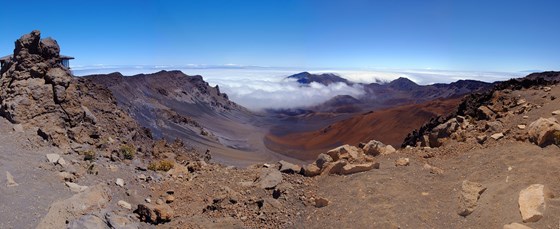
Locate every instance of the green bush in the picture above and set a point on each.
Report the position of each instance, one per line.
(128, 152)
(89, 155)
(557, 137)
(164, 165)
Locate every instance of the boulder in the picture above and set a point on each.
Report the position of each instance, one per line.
(124, 204)
(515, 226)
(121, 222)
(335, 167)
(88, 221)
(544, 132)
(470, 193)
(323, 159)
(481, 139)
(521, 126)
(155, 213)
(63, 211)
(532, 203)
(403, 161)
(343, 152)
(485, 113)
(375, 148)
(357, 168)
(269, 178)
(497, 136)
(287, 167)
(556, 112)
(311, 170)
(494, 126)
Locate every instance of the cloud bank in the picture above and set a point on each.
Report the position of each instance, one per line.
(260, 88)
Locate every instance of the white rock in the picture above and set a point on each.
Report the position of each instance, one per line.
(521, 127)
(120, 182)
(61, 161)
(75, 187)
(403, 161)
(53, 157)
(556, 112)
(497, 136)
(124, 204)
(10, 179)
(531, 203)
(470, 193)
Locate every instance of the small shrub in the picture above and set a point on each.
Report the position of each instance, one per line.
(127, 152)
(164, 165)
(556, 135)
(89, 155)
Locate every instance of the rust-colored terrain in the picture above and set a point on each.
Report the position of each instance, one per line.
(388, 125)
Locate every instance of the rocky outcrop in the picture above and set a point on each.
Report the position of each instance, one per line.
(347, 159)
(38, 91)
(486, 105)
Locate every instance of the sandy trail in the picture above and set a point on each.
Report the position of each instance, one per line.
(22, 154)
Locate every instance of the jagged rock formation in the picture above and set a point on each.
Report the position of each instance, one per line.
(38, 90)
(72, 113)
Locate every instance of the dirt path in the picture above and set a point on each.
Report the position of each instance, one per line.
(22, 154)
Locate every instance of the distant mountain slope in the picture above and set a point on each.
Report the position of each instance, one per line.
(400, 91)
(174, 105)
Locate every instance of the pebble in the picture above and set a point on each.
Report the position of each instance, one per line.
(53, 157)
(120, 182)
(10, 178)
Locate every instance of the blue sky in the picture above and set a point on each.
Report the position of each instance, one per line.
(473, 35)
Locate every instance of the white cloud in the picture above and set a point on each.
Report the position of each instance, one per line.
(260, 88)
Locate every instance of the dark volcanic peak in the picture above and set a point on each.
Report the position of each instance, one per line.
(403, 84)
(326, 78)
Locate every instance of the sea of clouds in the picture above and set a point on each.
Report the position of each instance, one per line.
(260, 88)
